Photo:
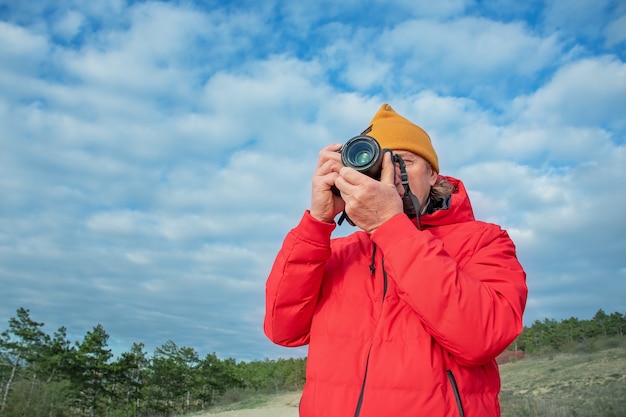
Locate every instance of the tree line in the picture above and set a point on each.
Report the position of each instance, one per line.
(552, 335)
(43, 375)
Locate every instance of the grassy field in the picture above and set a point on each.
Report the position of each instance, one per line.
(588, 383)
(583, 384)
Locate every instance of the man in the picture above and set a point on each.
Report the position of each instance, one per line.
(406, 316)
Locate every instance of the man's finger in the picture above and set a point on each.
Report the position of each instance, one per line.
(329, 152)
(388, 173)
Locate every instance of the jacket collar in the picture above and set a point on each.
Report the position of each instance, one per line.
(459, 208)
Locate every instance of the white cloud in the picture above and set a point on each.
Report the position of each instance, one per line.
(590, 92)
(68, 25)
(22, 51)
(616, 31)
(465, 53)
(144, 57)
(583, 18)
(456, 55)
(124, 222)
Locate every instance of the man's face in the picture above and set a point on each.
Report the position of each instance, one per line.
(420, 173)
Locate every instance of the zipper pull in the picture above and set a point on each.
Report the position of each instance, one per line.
(373, 264)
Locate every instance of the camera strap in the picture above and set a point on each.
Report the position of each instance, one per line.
(344, 217)
(410, 203)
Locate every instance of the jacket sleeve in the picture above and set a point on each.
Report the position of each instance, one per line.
(473, 309)
(294, 283)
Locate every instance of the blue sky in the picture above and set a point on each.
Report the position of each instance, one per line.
(154, 154)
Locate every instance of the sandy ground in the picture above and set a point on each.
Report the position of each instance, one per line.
(285, 405)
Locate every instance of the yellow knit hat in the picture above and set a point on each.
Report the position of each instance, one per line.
(396, 132)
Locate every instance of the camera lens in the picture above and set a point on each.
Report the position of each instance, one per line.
(362, 153)
(363, 157)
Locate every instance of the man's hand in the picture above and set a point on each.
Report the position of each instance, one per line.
(325, 205)
(369, 203)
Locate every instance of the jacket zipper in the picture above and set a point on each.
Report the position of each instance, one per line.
(359, 403)
(457, 395)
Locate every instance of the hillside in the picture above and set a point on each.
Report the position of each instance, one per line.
(579, 384)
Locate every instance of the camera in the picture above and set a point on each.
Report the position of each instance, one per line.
(364, 154)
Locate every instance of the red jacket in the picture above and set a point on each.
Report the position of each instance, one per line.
(404, 322)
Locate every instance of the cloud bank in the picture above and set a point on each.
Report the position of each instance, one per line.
(154, 154)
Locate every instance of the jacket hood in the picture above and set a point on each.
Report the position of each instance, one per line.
(460, 209)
